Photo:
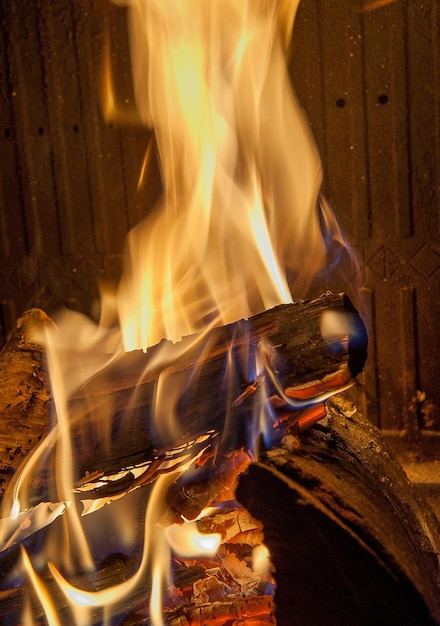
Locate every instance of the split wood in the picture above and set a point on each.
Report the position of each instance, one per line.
(112, 417)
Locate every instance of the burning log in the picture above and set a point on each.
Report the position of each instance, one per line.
(198, 488)
(284, 352)
(338, 495)
(236, 526)
(286, 355)
(216, 589)
(362, 547)
(113, 571)
(287, 352)
(24, 394)
(252, 611)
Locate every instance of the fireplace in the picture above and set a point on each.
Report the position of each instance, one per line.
(365, 73)
(367, 80)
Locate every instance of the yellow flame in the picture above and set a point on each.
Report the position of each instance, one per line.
(186, 540)
(26, 615)
(40, 590)
(154, 537)
(237, 229)
(261, 559)
(156, 598)
(113, 109)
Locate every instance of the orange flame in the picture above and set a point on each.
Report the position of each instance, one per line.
(240, 228)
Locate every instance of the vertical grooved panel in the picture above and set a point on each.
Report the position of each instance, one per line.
(363, 224)
(404, 213)
(367, 391)
(402, 260)
(386, 106)
(306, 69)
(435, 38)
(343, 92)
(65, 112)
(424, 113)
(409, 358)
(103, 148)
(29, 120)
(12, 232)
(8, 316)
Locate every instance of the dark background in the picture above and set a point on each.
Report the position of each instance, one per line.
(370, 83)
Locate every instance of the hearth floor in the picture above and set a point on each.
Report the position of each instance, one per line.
(426, 477)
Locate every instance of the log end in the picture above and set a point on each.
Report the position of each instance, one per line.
(349, 537)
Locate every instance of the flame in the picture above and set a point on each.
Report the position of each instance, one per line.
(187, 541)
(81, 599)
(261, 559)
(41, 591)
(240, 227)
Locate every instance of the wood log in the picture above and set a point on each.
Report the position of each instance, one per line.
(114, 570)
(237, 611)
(24, 394)
(361, 546)
(190, 578)
(209, 387)
(300, 356)
(351, 541)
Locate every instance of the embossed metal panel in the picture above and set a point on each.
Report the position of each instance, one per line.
(373, 95)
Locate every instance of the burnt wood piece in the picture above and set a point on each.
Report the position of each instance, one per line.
(24, 394)
(114, 570)
(256, 610)
(211, 385)
(200, 487)
(253, 610)
(351, 541)
(118, 567)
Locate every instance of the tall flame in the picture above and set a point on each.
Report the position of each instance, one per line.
(238, 228)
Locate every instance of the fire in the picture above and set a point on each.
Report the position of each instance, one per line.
(237, 230)
(187, 541)
(241, 227)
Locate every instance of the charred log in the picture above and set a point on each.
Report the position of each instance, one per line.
(219, 386)
(24, 394)
(112, 571)
(349, 537)
(214, 589)
(215, 383)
